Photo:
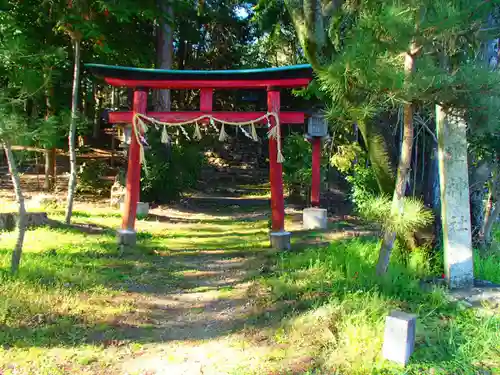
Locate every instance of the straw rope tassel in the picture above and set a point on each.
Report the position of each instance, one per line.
(223, 134)
(254, 133)
(247, 134)
(280, 156)
(138, 125)
(275, 133)
(185, 132)
(164, 135)
(197, 132)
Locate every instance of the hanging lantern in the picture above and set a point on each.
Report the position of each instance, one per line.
(317, 126)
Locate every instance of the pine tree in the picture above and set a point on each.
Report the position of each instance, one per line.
(359, 50)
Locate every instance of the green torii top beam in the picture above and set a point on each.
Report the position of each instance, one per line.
(282, 77)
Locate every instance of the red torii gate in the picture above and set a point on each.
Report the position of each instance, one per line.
(272, 80)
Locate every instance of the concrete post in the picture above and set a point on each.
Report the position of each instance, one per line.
(455, 208)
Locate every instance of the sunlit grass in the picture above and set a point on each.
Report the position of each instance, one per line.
(344, 306)
(66, 310)
(73, 285)
(487, 267)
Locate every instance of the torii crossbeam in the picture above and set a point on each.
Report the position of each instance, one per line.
(272, 80)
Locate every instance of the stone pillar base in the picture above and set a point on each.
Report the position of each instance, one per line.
(314, 218)
(280, 240)
(126, 238)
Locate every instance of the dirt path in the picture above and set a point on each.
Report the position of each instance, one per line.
(202, 332)
(212, 323)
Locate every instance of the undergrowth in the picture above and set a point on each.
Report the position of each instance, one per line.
(340, 308)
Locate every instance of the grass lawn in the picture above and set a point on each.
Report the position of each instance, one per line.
(77, 307)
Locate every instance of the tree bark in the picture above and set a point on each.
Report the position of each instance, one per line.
(164, 52)
(72, 133)
(21, 221)
(50, 169)
(397, 208)
(50, 154)
(478, 176)
(492, 212)
(96, 112)
(309, 18)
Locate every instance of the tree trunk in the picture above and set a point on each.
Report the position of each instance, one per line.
(50, 169)
(478, 176)
(492, 212)
(433, 196)
(488, 225)
(50, 154)
(21, 220)
(397, 208)
(72, 132)
(164, 52)
(97, 112)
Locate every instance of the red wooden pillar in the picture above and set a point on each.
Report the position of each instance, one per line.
(275, 169)
(206, 99)
(316, 171)
(134, 166)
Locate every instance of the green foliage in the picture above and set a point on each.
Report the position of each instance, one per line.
(91, 177)
(297, 165)
(415, 215)
(169, 170)
(351, 161)
(346, 156)
(370, 204)
(363, 185)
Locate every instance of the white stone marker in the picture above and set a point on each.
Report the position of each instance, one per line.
(399, 337)
(314, 218)
(455, 206)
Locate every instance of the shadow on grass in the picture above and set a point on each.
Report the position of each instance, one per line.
(156, 274)
(152, 269)
(81, 228)
(194, 220)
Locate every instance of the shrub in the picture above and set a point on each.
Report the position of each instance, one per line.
(90, 179)
(350, 159)
(365, 193)
(169, 170)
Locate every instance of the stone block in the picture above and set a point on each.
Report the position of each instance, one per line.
(126, 238)
(314, 218)
(399, 337)
(280, 240)
(142, 208)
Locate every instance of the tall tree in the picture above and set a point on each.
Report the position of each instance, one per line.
(358, 52)
(164, 49)
(17, 89)
(72, 131)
